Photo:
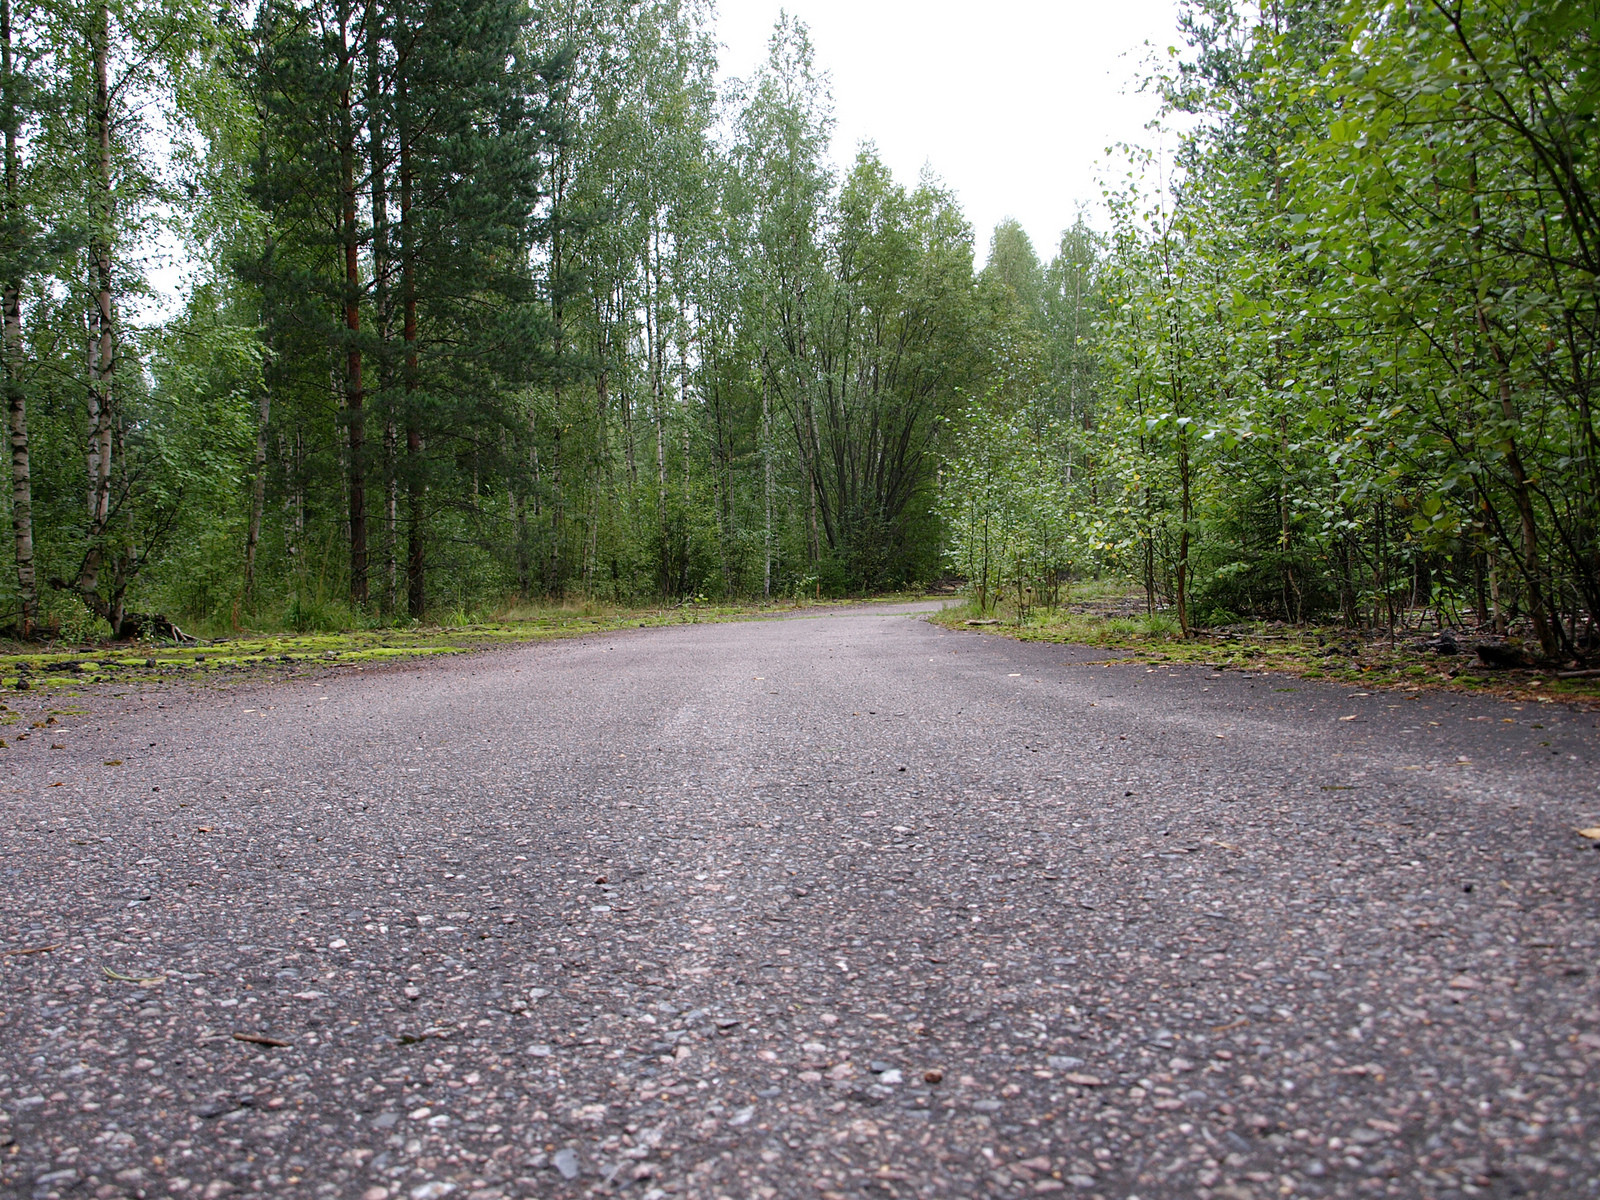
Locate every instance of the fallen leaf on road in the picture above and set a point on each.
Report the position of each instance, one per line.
(1592, 834)
(1351, 717)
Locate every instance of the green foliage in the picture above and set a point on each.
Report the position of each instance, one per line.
(1341, 357)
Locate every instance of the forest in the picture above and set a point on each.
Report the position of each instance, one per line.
(486, 300)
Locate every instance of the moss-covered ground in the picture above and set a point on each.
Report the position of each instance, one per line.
(247, 655)
(1106, 617)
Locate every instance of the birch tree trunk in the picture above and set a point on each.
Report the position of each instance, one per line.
(258, 487)
(11, 350)
(766, 486)
(102, 327)
(553, 564)
(657, 352)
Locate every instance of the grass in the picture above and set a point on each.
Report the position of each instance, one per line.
(1097, 617)
(243, 655)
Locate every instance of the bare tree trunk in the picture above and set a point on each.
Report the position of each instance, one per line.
(354, 396)
(602, 462)
(11, 351)
(102, 325)
(294, 502)
(683, 410)
(661, 467)
(1186, 511)
(657, 352)
(258, 489)
(416, 555)
(552, 565)
(1185, 463)
(628, 440)
(766, 474)
(811, 486)
(416, 529)
(377, 155)
(520, 515)
(391, 514)
(552, 570)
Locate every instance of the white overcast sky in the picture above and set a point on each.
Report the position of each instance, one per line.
(1013, 102)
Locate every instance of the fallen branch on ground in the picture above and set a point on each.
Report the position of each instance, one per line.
(257, 1039)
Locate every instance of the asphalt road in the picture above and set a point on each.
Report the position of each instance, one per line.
(844, 905)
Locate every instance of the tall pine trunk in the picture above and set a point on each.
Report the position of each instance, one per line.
(416, 556)
(11, 347)
(377, 154)
(354, 395)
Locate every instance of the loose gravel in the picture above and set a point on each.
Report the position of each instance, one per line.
(838, 906)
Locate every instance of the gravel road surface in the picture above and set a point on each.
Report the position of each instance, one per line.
(835, 906)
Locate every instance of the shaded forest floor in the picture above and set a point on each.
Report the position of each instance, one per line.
(247, 656)
(1108, 616)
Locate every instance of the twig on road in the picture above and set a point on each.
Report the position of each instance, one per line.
(257, 1039)
(121, 978)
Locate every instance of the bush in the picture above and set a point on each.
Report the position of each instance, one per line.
(1161, 625)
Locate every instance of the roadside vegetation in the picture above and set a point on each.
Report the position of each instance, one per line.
(246, 655)
(1110, 615)
(1335, 368)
